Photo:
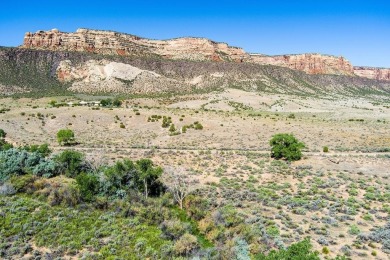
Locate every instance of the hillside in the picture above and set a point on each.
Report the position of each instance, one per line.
(59, 72)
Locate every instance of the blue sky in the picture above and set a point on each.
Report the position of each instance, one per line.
(360, 31)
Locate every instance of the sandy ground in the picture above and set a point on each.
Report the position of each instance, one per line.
(233, 144)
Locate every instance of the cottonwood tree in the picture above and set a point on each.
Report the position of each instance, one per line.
(178, 182)
(148, 177)
(65, 137)
(286, 146)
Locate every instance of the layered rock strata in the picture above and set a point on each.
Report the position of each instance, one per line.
(196, 49)
(372, 73)
(309, 63)
(108, 42)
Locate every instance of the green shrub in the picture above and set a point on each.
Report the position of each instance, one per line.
(286, 146)
(67, 195)
(292, 116)
(195, 206)
(110, 103)
(42, 149)
(301, 250)
(21, 183)
(172, 128)
(16, 162)
(166, 122)
(325, 250)
(5, 145)
(198, 126)
(325, 149)
(186, 244)
(354, 230)
(368, 217)
(241, 249)
(174, 229)
(273, 231)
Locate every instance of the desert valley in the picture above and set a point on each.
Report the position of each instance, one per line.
(171, 158)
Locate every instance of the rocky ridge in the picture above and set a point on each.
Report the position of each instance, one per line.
(113, 43)
(309, 63)
(190, 48)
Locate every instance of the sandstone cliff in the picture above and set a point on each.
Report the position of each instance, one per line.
(309, 63)
(108, 42)
(372, 73)
(195, 49)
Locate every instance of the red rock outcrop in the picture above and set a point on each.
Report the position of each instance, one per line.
(108, 42)
(372, 73)
(310, 63)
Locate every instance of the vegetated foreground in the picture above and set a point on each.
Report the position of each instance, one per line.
(241, 202)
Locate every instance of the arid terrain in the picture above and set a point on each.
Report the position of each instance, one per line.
(114, 146)
(334, 197)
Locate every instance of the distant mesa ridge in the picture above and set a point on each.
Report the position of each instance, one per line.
(191, 48)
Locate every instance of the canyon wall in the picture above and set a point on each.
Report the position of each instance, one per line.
(188, 48)
(108, 42)
(372, 73)
(309, 63)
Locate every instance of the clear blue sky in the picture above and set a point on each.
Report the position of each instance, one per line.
(360, 31)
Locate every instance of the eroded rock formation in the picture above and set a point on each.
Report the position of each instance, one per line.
(310, 63)
(372, 73)
(113, 77)
(108, 42)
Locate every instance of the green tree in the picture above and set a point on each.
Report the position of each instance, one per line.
(71, 161)
(119, 177)
(88, 184)
(106, 102)
(286, 146)
(65, 137)
(116, 102)
(3, 144)
(148, 177)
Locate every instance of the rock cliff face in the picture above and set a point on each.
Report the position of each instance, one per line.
(372, 73)
(195, 49)
(309, 63)
(108, 42)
